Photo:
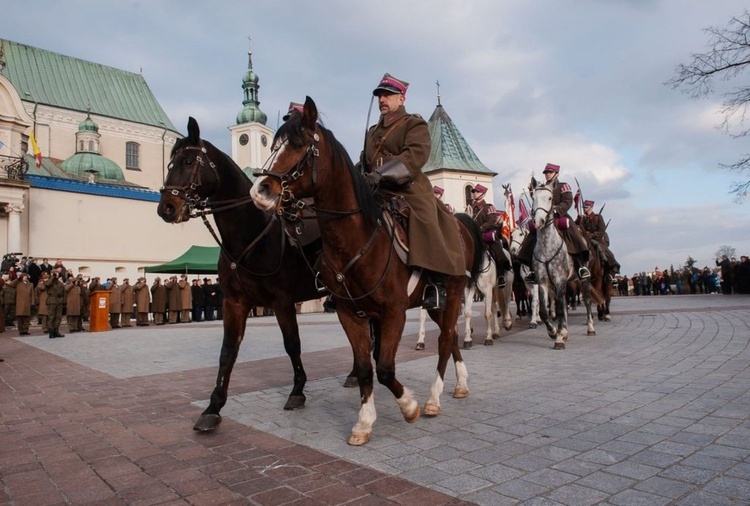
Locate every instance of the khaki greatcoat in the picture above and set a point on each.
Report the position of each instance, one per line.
(115, 300)
(72, 299)
(142, 297)
(158, 298)
(434, 237)
(24, 297)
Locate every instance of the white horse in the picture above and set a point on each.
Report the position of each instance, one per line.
(554, 267)
(486, 284)
(516, 239)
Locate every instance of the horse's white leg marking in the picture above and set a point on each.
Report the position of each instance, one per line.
(422, 320)
(432, 406)
(409, 406)
(462, 380)
(468, 299)
(362, 430)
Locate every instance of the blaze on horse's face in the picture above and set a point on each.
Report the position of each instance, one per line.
(542, 206)
(288, 174)
(189, 178)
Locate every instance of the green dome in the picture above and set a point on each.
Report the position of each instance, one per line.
(81, 164)
(251, 114)
(88, 125)
(250, 77)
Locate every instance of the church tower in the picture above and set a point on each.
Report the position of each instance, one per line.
(251, 138)
(452, 164)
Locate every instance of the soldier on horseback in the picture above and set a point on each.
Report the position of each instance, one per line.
(396, 149)
(593, 223)
(439, 195)
(562, 200)
(491, 225)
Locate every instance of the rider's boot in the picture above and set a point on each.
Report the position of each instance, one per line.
(329, 305)
(435, 291)
(583, 269)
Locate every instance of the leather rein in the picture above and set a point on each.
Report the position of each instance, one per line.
(202, 207)
(289, 211)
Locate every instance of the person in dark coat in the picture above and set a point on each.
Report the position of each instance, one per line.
(726, 274)
(199, 300)
(562, 200)
(396, 149)
(209, 298)
(35, 272)
(24, 301)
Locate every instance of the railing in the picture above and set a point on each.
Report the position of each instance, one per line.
(13, 167)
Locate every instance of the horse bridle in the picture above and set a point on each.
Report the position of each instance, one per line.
(202, 207)
(547, 223)
(290, 206)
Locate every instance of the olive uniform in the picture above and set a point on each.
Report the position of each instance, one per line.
(55, 299)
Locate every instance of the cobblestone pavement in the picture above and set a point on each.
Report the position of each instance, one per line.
(653, 410)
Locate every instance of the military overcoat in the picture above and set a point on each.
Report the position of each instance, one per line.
(434, 237)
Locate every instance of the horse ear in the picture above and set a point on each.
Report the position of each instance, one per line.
(194, 133)
(309, 114)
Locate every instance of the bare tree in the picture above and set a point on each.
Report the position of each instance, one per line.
(729, 251)
(727, 56)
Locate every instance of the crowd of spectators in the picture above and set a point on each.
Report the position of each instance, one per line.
(729, 276)
(24, 287)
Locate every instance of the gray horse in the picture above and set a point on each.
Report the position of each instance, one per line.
(554, 267)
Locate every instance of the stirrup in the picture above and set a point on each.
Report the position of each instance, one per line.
(501, 281)
(531, 278)
(583, 273)
(433, 297)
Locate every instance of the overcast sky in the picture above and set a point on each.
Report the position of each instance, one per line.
(578, 83)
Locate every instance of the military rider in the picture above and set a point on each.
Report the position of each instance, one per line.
(396, 149)
(562, 200)
(491, 224)
(439, 195)
(593, 223)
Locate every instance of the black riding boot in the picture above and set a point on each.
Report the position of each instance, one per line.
(329, 305)
(435, 292)
(582, 262)
(58, 334)
(51, 334)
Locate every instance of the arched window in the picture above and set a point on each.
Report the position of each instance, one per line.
(92, 146)
(132, 156)
(80, 146)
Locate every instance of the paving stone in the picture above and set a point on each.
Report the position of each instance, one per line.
(577, 495)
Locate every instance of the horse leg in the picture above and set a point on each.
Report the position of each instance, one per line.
(468, 297)
(492, 321)
(544, 312)
(358, 332)
(447, 347)
(508, 295)
(286, 316)
(351, 380)
(586, 290)
(235, 317)
(562, 320)
(420, 340)
(390, 328)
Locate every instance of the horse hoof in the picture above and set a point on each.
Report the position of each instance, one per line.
(431, 410)
(419, 347)
(414, 416)
(351, 382)
(207, 422)
(467, 345)
(559, 346)
(496, 336)
(591, 332)
(295, 402)
(359, 439)
(488, 342)
(460, 393)
(532, 325)
(508, 326)
(607, 318)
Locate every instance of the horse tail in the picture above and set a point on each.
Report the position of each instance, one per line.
(476, 237)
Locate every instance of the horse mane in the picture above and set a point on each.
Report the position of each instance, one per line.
(293, 133)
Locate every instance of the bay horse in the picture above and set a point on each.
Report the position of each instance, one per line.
(257, 265)
(554, 268)
(359, 264)
(601, 277)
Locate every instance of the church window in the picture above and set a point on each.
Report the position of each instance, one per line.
(132, 156)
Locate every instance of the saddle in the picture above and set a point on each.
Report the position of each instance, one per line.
(396, 213)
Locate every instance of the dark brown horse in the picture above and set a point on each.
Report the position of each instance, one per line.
(601, 277)
(257, 266)
(360, 266)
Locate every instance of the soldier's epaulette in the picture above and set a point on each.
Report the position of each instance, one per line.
(565, 188)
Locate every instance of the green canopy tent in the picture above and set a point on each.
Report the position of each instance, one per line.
(196, 260)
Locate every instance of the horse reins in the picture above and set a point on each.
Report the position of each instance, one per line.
(547, 223)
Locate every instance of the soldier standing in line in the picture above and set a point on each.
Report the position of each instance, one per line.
(24, 301)
(73, 303)
(186, 302)
(158, 301)
(173, 299)
(9, 303)
(41, 297)
(126, 297)
(55, 294)
(115, 303)
(142, 300)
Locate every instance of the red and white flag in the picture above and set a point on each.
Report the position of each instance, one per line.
(523, 213)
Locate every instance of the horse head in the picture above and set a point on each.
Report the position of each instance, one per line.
(290, 172)
(192, 177)
(516, 239)
(541, 211)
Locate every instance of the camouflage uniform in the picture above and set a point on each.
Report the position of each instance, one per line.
(55, 298)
